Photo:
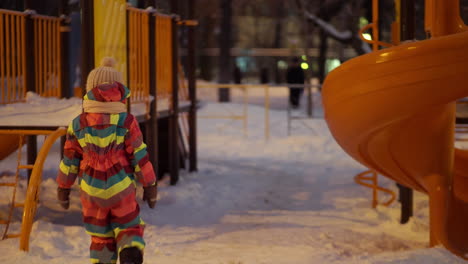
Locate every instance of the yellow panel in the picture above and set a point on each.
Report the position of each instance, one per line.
(110, 33)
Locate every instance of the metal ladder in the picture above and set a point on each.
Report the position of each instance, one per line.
(14, 185)
(32, 193)
(369, 178)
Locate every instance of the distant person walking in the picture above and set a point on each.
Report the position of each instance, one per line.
(295, 75)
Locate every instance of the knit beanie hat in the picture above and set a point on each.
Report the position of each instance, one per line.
(104, 74)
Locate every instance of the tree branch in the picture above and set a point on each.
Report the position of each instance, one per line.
(343, 36)
(346, 36)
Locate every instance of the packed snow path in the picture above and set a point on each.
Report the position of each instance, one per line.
(286, 200)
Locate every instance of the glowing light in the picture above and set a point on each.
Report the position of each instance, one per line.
(282, 64)
(332, 64)
(304, 57)
(304, 66)
(367, 36)
(362, 22)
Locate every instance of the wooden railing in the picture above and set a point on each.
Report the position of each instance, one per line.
(47, 48)
(164, 60)
(14, 59)
(138, 50)
(12, 56)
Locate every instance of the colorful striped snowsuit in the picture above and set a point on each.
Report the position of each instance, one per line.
(107, 153)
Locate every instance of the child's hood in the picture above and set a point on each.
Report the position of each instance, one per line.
(108, 92)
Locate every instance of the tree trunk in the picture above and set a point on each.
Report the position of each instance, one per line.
(278, 35)
(225, 50)
(206, 40)
(322, 60)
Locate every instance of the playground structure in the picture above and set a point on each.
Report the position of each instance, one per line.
(393, 110)
(33, 56)
(17, 74)
(32, 194)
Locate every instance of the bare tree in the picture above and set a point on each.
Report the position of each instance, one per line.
(330, 8)
(225, 45)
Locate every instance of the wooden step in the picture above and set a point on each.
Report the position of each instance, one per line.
(19, 204)
(3, 222)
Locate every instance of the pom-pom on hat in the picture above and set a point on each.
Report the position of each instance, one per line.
(106, 73)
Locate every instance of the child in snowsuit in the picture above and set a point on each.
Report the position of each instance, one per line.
(105, 150)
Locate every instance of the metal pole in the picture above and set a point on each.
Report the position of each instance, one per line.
(407, 32)
(267, 112)
(87, 40)
(289, 117)
(191, 63)
(310, 105)
(375, 24)
(246, 111)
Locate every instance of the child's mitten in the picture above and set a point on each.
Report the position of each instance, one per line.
(149, 195)
(63, 195)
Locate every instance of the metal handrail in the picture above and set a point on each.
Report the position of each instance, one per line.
(371, 175)
(32, 193)
(375, 41)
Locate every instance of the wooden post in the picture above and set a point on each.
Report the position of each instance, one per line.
(87, 40)
(192, 91)
(267, 112)
(30, 77)
(153, 121)
(32, 151)
(64, 49)
(174, 115)
(127, 30)
(407, 32)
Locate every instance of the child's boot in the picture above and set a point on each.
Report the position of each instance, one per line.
(131, 255)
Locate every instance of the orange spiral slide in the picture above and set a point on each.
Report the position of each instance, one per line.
(393, 110)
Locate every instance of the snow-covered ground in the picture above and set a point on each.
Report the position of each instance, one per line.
(285, 200)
